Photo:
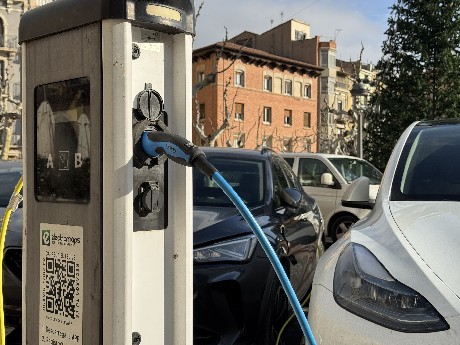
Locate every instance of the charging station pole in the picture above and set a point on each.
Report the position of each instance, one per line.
(107, 233)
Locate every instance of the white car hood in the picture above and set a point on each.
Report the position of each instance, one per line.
(433, 230)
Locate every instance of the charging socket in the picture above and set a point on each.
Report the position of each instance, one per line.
(150, 173)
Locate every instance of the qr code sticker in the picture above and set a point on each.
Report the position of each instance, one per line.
(61, 293)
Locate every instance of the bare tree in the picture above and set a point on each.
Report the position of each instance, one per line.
(211, 138)
(211, 77)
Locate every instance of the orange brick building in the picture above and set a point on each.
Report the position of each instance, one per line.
(254, 99)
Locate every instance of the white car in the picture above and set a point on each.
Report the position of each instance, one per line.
(326, 178)
(394, 277)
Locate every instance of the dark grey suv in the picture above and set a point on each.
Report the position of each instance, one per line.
(238, 298)
(10, 172)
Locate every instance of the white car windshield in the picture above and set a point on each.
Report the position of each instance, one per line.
(429, 167)
(351, 169)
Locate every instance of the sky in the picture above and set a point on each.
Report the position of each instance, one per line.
(350, 22)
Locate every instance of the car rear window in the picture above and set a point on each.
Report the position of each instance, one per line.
(245, 176)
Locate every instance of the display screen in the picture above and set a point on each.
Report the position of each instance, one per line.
(62, 146)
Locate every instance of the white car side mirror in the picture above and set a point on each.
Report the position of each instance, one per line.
(327, 179)
(357, 194)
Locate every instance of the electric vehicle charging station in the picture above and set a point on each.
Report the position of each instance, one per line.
(107, 255)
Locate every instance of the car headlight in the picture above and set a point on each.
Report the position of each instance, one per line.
(365, 288)
(240, 249)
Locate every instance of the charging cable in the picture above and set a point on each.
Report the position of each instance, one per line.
(181, 151)
(15, 199)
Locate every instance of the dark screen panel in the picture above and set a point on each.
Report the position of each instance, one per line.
(62, 150)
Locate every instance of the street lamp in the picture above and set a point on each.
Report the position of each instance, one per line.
(359, 93)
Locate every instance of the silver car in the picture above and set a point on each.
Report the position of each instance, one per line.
(326, 177)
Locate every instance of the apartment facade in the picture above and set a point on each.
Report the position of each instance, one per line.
(292, 39)
(10, 75)
(10, 78)
(254, 99)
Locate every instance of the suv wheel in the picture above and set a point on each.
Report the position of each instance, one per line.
(341, 225)
(274, 315)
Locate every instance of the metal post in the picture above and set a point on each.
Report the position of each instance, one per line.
(6, 137)
(360, 133)
(358, 92)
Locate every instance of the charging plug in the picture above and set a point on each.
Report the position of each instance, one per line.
(176, 148)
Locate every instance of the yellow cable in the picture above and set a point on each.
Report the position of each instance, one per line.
(303, 303)
(289, 320)
(12, 206)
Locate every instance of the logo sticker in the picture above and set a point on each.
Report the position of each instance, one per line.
(46, 237)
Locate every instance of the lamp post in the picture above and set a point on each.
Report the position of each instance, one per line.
(359, 93)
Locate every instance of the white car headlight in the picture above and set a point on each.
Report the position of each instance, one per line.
(240, 249)
(365, 288)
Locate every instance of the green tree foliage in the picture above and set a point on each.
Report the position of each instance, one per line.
(419, 76)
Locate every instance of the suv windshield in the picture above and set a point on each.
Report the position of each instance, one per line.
(351, 169)
(429, 168)
(8, 180)
(245, 176)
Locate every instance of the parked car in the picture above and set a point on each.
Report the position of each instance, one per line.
(238, 298)
(393, 278)
(326, 177)
(10, 172)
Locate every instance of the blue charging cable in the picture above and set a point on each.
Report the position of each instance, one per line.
(182, 151)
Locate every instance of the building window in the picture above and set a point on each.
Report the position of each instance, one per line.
(287, 117)
(339, 106)
(327, 58)
(202, 114)
(267, 115)
(288, 87)
(287, 145)
(300, 35)
(307, 120)
(239, 78)
(267, 141)
(2, 70)
(268, 83)
(201, 76)
(323, 84)
(323, 58)
(239, 111)
(239, 139)
(2, 34)
(307, 90)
